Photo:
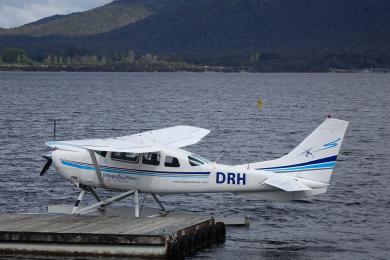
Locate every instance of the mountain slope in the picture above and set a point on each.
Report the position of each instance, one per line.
(315, 32)
(101, 19)
(238, 24)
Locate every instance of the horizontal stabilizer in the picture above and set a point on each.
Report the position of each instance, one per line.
(286, 184)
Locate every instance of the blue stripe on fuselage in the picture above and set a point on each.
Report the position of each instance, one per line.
(108, 169)
(319, 161)
(319, 166)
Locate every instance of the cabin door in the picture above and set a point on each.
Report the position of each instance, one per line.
(122, 172)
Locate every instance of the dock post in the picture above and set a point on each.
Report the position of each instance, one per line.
(136, 204)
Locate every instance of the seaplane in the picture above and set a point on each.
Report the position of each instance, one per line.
(154, 163)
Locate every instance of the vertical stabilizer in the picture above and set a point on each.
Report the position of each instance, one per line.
(315, 157)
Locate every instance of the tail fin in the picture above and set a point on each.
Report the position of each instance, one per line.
(314, 158)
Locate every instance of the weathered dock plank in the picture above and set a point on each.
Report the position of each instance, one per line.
(106, 235)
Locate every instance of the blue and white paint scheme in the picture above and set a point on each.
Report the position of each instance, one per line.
(153, 162)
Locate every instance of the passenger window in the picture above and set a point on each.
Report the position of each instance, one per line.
(151, 159)
(171, 161)
(128, 157)
(101, 153)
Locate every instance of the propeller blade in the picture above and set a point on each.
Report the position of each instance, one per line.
(47, 165)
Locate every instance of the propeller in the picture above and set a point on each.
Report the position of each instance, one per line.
(47, 165)
(48, 157)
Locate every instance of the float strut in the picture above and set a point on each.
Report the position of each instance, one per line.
(159, 202)
(101, 208)
(136, 204)
(79, 199)
(95, 195)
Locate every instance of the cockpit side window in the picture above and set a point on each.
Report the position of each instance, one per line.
(127, 157)
(171, 161)
(151, 159)
(195, 161)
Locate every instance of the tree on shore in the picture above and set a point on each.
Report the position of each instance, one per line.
(14, 55)
(47, 60)
(131, 56)
(255, 57)
(149, 58)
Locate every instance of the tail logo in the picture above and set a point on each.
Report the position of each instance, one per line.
(309, 152)
(329, 145)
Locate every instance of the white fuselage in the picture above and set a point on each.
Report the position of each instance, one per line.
(152, 162)
(77, 167)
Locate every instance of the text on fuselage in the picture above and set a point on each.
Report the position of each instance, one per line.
(231, 178)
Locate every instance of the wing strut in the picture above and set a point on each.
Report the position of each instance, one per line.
(97, 169)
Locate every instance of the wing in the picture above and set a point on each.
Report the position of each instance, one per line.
(109, 145)
(177, 136)
(151, 141)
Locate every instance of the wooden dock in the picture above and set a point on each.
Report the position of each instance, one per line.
(158, 236)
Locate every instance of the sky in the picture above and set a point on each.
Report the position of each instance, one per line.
(18, 12)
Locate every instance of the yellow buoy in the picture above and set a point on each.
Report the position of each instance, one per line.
(259, 103)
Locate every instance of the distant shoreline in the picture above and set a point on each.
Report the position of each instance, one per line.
(144, 68)
(187, 68)
(120, 67)
(83, 68)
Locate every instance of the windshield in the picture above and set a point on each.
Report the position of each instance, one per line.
(196, 160)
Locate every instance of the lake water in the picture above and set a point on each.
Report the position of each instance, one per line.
(351, 221)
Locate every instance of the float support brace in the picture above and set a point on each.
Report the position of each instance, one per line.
(159, 202)
(136, 204)
(105, 202)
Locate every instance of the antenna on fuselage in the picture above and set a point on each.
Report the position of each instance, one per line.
(54, 130)
(219, 157)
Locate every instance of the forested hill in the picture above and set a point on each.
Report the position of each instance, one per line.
(239, 25)
(101, 19)
(353, 33)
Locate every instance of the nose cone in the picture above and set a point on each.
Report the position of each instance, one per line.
(55, 155)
